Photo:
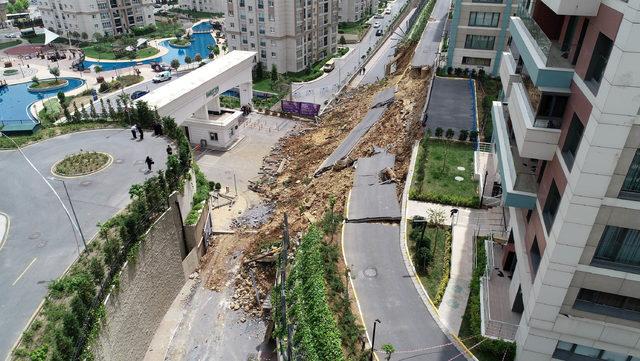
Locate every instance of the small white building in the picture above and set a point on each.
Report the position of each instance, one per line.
(193, 100)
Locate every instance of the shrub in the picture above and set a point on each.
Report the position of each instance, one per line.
(449, 133)
(458, 71)
(438, 132)
(104, 87)
(462, 136)
(473, 135)
(449, 70)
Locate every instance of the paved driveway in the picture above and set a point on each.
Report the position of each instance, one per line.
(429, 45)
(386, 292)
(41, 245)
(451, 105)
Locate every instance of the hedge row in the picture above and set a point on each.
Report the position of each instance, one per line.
(446, 265)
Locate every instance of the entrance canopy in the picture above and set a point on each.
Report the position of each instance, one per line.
(191, 93)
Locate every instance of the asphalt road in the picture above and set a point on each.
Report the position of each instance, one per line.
(324, 88)
(41, 243)
(429, 45)
(386, 292)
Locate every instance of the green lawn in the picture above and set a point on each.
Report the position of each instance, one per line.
(488, 350)
(179, 42)
(435, 275)
(47, 83)
(36, 39)
(105, 53)
(9, 44)
(197, 14)
(355, 28)
(435, 173)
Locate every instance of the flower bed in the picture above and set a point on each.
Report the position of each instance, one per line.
(10, 72)
(47, 85)
(83, 163)
(180, 43)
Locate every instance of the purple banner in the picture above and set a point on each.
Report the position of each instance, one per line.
(300, 108)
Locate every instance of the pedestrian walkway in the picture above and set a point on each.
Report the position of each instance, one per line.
(467, 224)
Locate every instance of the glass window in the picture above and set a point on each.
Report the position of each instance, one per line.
(598, 63)
(551, 206)
(566, 346)
(468, 60)
(535, 256)
(484, 19)
(613, 356)
(586, 351)
(619, 246)
(572, 141)
(483, 42)
(631, 185)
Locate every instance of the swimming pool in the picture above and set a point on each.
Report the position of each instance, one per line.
(199, 45)
(16, 99)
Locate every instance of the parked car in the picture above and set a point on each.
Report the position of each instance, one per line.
(160, 67)
(378, 16)
(387, 11)
(164, 76)
(379, 32)
(138, 94)
(376, 24)
(329, 66)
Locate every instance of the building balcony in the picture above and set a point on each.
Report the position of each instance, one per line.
(542, 58)
(508, 72)
(535, 137)
(574, 7)
(517, 175)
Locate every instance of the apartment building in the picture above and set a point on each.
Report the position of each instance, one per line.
(351, 11)
(81, 19)
(566, 141)
(478, 34)
(291, 34)
(210, 6)
(3, 13)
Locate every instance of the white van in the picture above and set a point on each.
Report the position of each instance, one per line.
(329, 66)
(164, 76)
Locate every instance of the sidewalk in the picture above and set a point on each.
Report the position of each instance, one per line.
(466, 224)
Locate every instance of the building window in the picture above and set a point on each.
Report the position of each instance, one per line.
(482, 42)
(551, 206)
(484, 19)
(487, 1)
(535, 256)
(631, 185)
(213, 136)
(598, 64)
(468, 60)
(574, 352)
(609, 304)
(619, 248)
(572, 141)
(551, 110)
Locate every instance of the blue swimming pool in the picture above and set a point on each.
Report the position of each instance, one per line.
(15, 101)
(199, 45)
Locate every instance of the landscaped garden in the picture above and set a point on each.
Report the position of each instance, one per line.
(82, 163)
(355, 28)
(9, 72)
(197, 14)
(183, 42)
(470, 330)
(444, 172)
(430, 249)
(114, 51)
(9, 44)
(120, 82)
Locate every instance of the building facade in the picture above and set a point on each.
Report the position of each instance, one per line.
(351, 11)
(3, 13)
(210, 6)
(290, 34)
(478, 34)
(566, 138)
(82, 19)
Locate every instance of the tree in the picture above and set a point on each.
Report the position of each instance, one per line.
(97, 69)
(274, 73)
(103, 110)
(197, 57)
(175, 64)
(449, 133)
(342, 40)
(112, 112)
(188, 60)
(389, 350)
(62, 99)
(259, 71)
(55, 71)
(463, 134)
(438, 132)
(35, 80)
(85, 36)
(92, 109)
(216, 50)
(77, 117)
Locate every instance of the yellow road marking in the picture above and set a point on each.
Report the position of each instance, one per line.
(23, 272)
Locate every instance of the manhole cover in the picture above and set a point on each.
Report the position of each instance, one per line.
(118, 161)
(462, 169)
(42, 243)
(371, 272)
(458, 179)
(35, 235)
(86, 183)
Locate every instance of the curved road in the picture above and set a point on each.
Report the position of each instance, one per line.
(41, 243)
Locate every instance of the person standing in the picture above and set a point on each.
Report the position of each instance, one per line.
(149, 162)
(140, 131)
(169, 150)
(133, 132)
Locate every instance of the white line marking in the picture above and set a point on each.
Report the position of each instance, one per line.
(23, 272)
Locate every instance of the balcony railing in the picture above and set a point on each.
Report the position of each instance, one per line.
(574, 7)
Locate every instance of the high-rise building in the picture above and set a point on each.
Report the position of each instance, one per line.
(478, 34)
(566, 138)
(355, 10)
(211, 6)
(290, 34)
(81, 19)
(3, 13)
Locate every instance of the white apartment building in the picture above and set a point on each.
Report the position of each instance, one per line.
(567, 137)
(81, 19)
(210, 6)
(355, 10)
(291, 34)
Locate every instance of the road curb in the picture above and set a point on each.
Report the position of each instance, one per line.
(5, 234)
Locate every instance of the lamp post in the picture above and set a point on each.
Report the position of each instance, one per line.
(373, 339)
(75, 216)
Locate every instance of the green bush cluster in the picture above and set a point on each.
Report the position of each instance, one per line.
(202, 194)
(489, 349)
(450, 199)
(416, 30)
(446, 270)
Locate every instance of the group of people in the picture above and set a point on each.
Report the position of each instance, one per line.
(157, 130)
(135, 129)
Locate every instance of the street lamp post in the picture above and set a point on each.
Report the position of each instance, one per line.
(75, 216)
(373, 339)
